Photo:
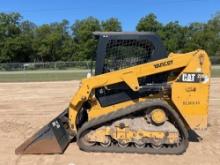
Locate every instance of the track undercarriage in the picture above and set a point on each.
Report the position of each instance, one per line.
(133, 129)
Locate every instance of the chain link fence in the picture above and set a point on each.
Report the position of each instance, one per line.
(45, 66)
(82, 65)
(215, 60)
(59, 71)
(47, 71)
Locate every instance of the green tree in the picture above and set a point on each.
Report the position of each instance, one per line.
(17, 49)
(23, 41)
(149, 23)
(14, 45)
(203, 36)
(28, 33)
(50, 39)
(194, 36)
(173, 36)
(83, 37)
(111, 24)
(9, 24)
(213, 31)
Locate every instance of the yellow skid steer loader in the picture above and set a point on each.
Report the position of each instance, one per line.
(140, 99)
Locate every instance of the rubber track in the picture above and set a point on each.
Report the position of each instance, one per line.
(102, 120)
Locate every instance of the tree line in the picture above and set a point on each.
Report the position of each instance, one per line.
(24, 41)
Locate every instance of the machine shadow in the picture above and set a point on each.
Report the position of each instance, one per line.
(193, 136)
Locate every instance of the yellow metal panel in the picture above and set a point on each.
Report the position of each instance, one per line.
(192, 99)
(192, 104)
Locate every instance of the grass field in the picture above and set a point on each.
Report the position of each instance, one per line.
(42, 75)
(216, 71)
(57, 75)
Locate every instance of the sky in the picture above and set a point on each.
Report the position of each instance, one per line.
(128, 12)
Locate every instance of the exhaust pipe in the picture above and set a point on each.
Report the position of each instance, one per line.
(51, 139)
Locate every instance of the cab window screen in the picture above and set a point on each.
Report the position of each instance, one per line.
(126, 53)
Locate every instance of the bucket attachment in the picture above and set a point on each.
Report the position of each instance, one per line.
(51, 139)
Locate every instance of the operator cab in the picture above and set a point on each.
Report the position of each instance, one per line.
(119, 50)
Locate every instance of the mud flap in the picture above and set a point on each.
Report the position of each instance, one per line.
(51, 139)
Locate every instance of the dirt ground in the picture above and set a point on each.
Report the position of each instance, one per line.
(25, 107)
